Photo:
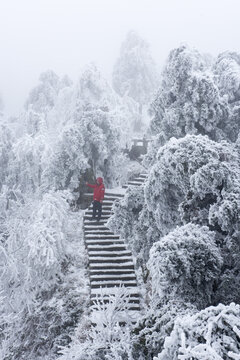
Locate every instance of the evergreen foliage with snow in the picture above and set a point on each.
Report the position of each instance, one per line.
(155, 325)
(105, 338)
(188, 100)
(186, 263)
(211, 334)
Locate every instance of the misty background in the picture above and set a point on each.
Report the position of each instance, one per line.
(65, 35)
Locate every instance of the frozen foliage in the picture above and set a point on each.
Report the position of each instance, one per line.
(186, 263)
(91, 140)
(93, 90)
(197, 180)
(134, 223)
(31, 245)
(188, 101)
(135, 73)
(104, 338)
(192, 181)
(149, 333)
(211, 334)
(29, 157)
(37, 331)
(199, 177)
(6, 143)
(227, 73)
(227, 70)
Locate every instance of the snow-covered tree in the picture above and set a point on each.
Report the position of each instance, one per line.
(135, 72)
(6, 143)
(135, 223)
(186, 263)
(196, 173)
(42, 98)
(92, 90)
(188, 101)
(211, 334)
(90, 140)
(31, 245)
(227, 74)
(227, 71)
(29, 158)
(42, 258)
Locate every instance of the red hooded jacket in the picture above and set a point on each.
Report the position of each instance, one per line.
(99, 189)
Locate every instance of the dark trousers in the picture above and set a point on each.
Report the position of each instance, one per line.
(97, 208)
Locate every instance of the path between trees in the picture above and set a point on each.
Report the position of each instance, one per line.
(110, 261)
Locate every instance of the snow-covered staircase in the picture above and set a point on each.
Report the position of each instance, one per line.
(110, 262)
(137, 181)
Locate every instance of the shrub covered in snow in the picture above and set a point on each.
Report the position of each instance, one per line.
(186, 263)
(211, 334)
(149, 333)
(103, 337)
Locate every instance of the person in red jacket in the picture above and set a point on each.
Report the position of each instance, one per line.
(98, 196)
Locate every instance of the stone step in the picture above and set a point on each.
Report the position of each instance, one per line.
(89, 212)
(104, 243)
(133, 307)
(94, 226)
(110, 266)
(105, 300)
(134, 183)
(98, 293)
(113, 277)
(107, 248)
(101, 236)
(105, 204)
(112, 284)
(94, 222)
(112, 272)
(105, 208)
(107, 195)
(107, 259)
(110, 254)
(110, 194)
(140, 180)
(89, 217)
(98, 232)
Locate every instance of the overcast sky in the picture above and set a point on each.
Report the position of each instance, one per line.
(64, 35)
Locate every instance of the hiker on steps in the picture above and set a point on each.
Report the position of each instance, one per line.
(98, 196)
